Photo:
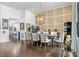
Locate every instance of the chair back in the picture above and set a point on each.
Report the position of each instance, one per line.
(61, 37)
(44, 37)
(58, 35)
(35, 36)
(45, 32)
(28, 36)
(54, 34)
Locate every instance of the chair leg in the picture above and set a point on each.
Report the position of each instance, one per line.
(45, 45)
(29, 41)
(40, 44)
(37, 43)
(53, 44)
(32, 43)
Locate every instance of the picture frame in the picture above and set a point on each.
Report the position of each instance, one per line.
(21, 26)
(28, 25)
(5, 23)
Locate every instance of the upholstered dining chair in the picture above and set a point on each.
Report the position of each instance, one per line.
(35, 38)
(45, 40)
(28, 37)
(59, 39)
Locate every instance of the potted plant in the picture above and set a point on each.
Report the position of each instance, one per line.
(35, 29)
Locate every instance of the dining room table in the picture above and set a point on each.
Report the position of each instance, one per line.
(51, 37)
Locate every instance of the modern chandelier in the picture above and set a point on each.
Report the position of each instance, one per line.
(40, 17)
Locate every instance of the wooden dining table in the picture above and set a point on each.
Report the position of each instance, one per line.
(51, 37)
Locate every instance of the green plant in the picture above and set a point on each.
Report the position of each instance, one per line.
(35, 29)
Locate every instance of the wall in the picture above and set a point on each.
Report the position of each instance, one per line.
(56, 17)
(19, 15)
(26, 16)
(75, 39)
(29, 17)
(22, 15)
(8, 12)
(14, 23)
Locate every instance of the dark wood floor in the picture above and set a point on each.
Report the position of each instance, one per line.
(17, 49)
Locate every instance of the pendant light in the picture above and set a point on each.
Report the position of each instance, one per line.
(40, 17)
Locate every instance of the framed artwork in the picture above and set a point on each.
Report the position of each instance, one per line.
(21, 26)
(14, 28)
(5, 23)
(28, 26)
(10, 28)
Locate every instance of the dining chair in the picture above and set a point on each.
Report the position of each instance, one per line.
(35, 38)
(45, 40)
(28, 37)
(59, 39)
(54, 34)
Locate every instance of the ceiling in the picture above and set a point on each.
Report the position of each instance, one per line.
(35, 6)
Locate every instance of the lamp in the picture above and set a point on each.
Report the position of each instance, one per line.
(40, 17)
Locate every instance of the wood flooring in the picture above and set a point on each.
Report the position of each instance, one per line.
(17, 49)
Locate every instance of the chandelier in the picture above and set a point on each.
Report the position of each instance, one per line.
(40, 17)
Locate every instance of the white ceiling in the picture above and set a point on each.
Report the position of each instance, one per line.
(35, 6)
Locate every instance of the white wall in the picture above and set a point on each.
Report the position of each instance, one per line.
(75, 39)
(74, 28)
(74, 32)
(15, 24)
(20, 15)
(26, 17)
(8, 12)
(29, 17)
